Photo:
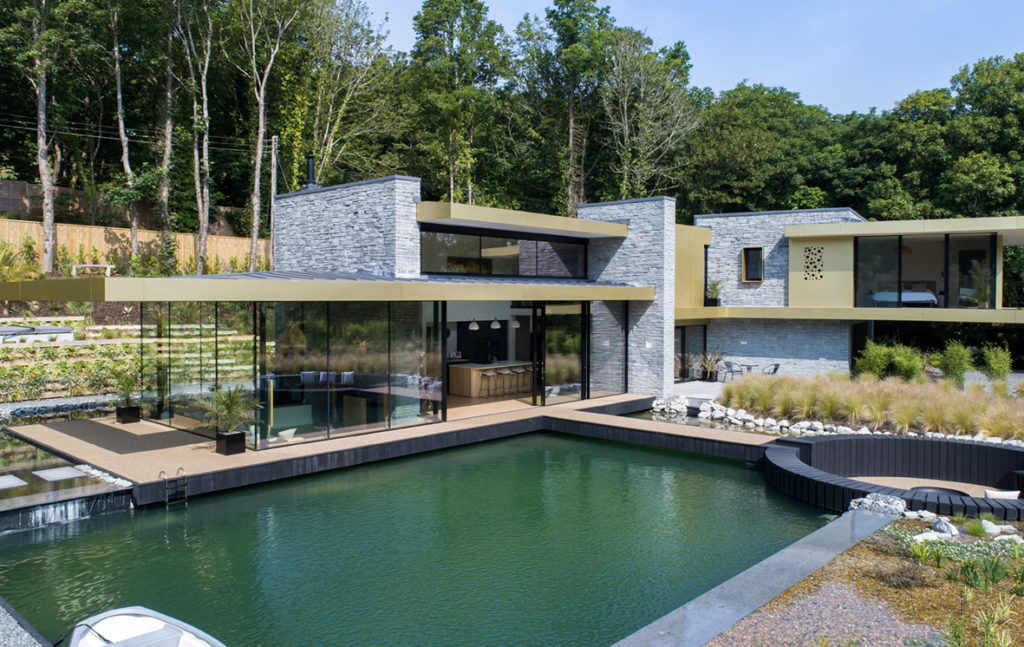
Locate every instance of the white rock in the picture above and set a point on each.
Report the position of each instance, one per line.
(911, 434)
(1010, 539)
(705, 406)
(829, 428)
(989, 527)
(1008, 528)
(978, 436)
(730, 412)
(927, 515)
(774, 429)
(759, 422)
(863, 430)
(909, 514)
(784, 423)
(882, 503)
(942, 525)
(930, 535)
(718, 415)
(749, 424)
(740, 413)
(818, 425)
(843, 430)
(770, 422)
(704, 415)
(994, 439)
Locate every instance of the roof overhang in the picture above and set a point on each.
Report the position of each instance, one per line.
(938, 315)
(244, 289)
(506, 221)
(1011, 228)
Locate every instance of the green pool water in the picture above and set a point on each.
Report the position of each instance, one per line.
(540, 539)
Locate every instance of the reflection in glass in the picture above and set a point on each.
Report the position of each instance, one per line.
(877, 272)
(562, 359)
(607, 348)
(156, 360)
(358, 366)
(193, 363)
(236, 356)
(415, 394)
(971, 271)
(455, 253)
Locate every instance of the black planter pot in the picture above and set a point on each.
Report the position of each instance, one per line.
(128, 414)
(709, 376)
(711, 302)
(230, 442)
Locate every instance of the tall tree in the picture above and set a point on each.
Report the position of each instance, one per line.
(649, 113)
(259, 31)
(195, 30)
(458, 58)
(114, 16)
(582, 31)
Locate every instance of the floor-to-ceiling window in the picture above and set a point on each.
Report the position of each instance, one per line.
(972, 271)
(563, 352)
(877, 272)
(358, 366)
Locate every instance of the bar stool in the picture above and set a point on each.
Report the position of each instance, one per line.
(520, 378)
(487, 378)
(506, 380)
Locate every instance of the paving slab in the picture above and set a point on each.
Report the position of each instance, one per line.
(59, 474)
(8, 481)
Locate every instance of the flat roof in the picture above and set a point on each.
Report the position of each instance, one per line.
(320, 286)
(1010, 227)
(509, 221)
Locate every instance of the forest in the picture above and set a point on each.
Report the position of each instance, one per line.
(181, 101)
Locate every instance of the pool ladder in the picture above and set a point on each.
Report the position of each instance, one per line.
(175, 489)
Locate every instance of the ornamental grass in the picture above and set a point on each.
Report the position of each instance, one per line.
(892, 404)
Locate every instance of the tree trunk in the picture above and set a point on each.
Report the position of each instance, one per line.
(570, 189)
(256, 171)
(133, 221)
(42, 144)
(164, 194)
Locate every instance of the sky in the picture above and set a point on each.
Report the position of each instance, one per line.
(847, 56)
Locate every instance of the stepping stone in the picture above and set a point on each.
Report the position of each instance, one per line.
(8, 481)
(59, 474)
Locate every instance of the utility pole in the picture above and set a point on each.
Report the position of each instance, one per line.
(273, 194)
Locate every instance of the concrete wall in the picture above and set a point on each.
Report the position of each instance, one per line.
(731, 232)
(368, 227)
(645, 257)
(799, 347)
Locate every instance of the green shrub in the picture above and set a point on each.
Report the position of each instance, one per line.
(905, 362)
(955, 361)
(873, 359)
(884, 361)
(996, 361)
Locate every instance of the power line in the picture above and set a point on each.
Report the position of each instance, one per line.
(134, 140)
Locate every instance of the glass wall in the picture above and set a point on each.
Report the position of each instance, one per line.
(943, 270)
(358, 367)
(458, 253)
(563, 335)
(236, 357)
(415, 376)
(193, 366)
(971, 271)
(155, 359)
(607, 348)
(876, 276)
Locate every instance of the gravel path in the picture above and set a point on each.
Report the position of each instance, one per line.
(836, 612)
(12, 634)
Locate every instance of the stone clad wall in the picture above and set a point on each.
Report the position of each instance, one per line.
(368, 227)
(645, 258)
(730, 233)
(799, 347)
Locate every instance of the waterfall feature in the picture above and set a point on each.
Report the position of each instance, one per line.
(65, 511)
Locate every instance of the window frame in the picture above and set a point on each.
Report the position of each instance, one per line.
(743, 263)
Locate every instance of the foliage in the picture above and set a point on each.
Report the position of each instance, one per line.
(227, 407)
(126, 381)
(16, 264)
(954, 361)
(996, 361)
(884, 361)
(713, 289)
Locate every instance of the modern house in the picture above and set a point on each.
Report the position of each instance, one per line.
(383, 310)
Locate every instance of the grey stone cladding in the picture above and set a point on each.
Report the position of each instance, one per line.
(646, 257)
(367, 227)
(800, 347)
(731, 232)
(607, 359)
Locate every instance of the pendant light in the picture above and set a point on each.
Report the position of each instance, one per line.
(515, 323)
(473, 325)
(495, 325)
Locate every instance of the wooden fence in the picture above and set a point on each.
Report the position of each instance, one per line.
(86, 240)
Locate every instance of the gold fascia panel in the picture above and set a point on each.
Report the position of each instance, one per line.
(207, 289)
(938, 315)
(1012, 225)
(507, 220)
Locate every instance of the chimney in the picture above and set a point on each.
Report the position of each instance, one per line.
(310, 174)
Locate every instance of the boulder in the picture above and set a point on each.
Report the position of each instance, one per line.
(705, 407)
(818, 425)
(881, 503)
(927, 515)
(843, 430)
(930, 535)
(1009, 539)
(989, 527)
(943, 526)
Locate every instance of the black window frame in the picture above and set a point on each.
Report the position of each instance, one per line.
(494, 233)
(743, 257)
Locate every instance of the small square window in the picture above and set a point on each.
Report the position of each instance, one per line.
(753, 264)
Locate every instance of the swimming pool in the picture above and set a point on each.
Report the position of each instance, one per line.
(536, 539)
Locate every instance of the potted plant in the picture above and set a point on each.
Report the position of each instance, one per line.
(126, 381)
(712, 292)
(709, 365)
(225, 410)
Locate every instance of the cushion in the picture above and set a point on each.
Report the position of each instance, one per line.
(1002, 494)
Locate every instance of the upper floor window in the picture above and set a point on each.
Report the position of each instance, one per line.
(448, 252)
(753, 264)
